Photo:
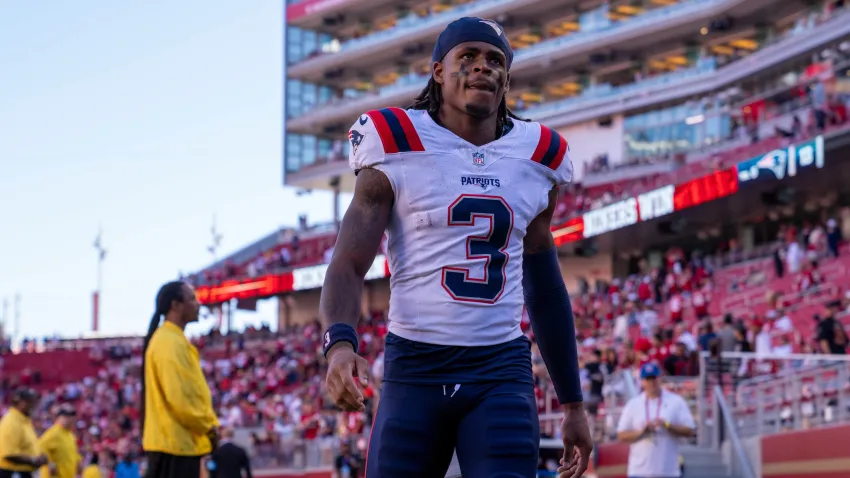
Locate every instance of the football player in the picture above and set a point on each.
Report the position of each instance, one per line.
(465, 191)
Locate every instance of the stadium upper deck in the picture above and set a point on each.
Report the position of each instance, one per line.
(576, 61)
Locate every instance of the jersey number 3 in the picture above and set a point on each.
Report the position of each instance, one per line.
(491, 247)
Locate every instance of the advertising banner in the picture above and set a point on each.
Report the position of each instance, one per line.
(783, 162)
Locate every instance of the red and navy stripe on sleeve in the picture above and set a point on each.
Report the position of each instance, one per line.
(397, 133)
(551, 148)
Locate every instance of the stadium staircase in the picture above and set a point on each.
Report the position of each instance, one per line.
(703, 462)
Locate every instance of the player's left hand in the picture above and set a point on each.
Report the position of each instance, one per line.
(577, 442)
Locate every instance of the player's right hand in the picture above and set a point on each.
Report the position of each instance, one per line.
(343, 366)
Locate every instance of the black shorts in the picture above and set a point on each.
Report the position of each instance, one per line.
(10, 474)
(163, 465)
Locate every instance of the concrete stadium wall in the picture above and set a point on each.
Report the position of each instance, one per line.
(819, 453)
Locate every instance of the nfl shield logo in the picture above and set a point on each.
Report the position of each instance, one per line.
(478, 159)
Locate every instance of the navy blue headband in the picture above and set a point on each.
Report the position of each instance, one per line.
(469, 29)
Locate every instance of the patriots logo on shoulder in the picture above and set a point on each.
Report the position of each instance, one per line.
(327, 339)
(495, 26)
(355, 138)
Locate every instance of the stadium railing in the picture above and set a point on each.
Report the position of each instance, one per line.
(289, 453)
(725, 437)
(802, 391)
(618, 389)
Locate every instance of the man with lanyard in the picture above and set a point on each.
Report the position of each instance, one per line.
(652, 423)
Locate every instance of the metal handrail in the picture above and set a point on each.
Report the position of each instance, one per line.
(732, 433)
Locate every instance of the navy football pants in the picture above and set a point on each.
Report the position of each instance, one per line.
(493, 425)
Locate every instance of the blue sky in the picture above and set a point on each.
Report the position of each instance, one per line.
(145, 118)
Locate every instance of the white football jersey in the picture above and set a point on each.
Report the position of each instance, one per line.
(455, 237)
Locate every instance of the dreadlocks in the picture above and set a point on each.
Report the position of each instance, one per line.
(431, 97)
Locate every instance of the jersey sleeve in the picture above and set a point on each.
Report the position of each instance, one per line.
(553, 151)
(366, 149)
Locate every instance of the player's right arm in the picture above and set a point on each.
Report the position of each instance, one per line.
(356, 246)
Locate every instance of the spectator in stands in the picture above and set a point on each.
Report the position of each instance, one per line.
(778, 264)
(127, 468)
(348, 463)
(596, 379)
(831, 335)
(652, 422)
(647, 317)
(60, 445)
(742, 341)
(677, 364)
(784, 347)
(706, 336)
(229, 460)
(820, 104)
(760, 337)
(93, 468)
(794, 254)
(683, 335)
(19, 454)
(611, 362)
(833, 237)
(726, 334)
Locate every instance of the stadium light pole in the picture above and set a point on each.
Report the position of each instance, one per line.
(215, 243)
(17, 313)
(216, 240)
(101, 256)
(4, 320)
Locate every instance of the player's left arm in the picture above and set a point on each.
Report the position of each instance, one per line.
(552, 321)
(549, 307)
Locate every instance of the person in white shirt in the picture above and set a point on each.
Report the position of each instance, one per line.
(794, 257)
(652, 423)
(783, 323)
(647, 318)
(761, 338)
(684, 336)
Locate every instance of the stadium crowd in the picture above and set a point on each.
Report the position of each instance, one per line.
(778, 115)
(270, 383)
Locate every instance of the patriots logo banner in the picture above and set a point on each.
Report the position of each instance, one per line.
(355, 138)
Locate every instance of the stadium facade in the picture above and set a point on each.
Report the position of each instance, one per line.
(667, 105)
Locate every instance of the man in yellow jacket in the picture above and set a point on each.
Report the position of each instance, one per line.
(19, 453)
(60, 445)
(179, 424)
